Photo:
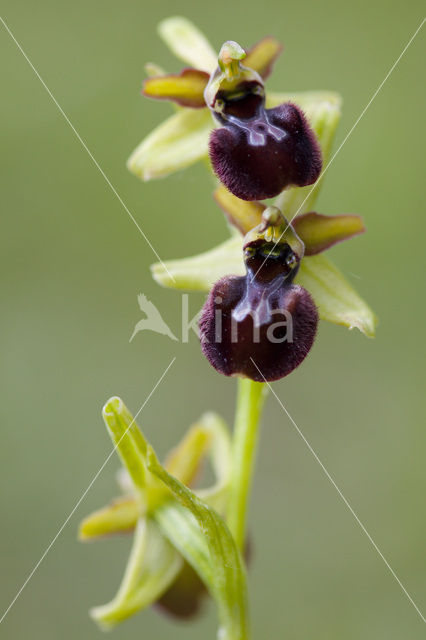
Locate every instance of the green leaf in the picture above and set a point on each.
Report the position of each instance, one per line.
(175, 144)
(335, 298)
(188, 43)
(223, 571)
(152, 567)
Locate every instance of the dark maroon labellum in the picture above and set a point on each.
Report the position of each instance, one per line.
(260, 326)
(259, 152)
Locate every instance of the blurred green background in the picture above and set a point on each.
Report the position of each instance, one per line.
(73, 264)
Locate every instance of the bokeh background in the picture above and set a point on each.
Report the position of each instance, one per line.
(73, 264)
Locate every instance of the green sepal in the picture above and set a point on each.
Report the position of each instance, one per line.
(199, 273)
(175, 144)
(336, 299)
(188, 43)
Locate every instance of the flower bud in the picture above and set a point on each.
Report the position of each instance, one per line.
(261, 326)
(257, 152)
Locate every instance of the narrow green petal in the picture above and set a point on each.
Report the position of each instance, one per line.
(118, 517)
(175, 144)
(320, 232)
(152, 567)
(188, 43)
(335, 298)
(262, 55)
(227, 581)
(185, 88)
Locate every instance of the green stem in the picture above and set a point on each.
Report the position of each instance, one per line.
(249, 407)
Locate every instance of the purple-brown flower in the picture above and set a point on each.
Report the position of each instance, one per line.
(256, 152)
(261, 325)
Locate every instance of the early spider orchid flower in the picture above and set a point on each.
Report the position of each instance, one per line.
(261, 326)
(267, 130)
(256, 152)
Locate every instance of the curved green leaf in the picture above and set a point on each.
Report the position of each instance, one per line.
(224, 568)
